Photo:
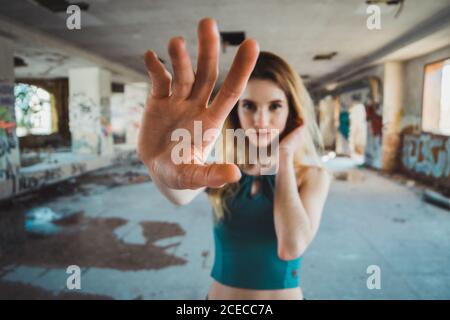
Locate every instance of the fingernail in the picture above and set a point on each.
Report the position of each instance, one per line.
(146, 58)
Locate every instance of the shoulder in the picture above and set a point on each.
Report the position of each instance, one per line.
(312, 175)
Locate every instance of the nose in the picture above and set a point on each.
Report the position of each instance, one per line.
(261, 118)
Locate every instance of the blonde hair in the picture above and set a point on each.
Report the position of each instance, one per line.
(301, 111)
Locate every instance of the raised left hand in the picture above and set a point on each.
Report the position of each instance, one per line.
(292, 141)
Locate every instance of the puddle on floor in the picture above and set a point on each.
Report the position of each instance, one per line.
(58, 240)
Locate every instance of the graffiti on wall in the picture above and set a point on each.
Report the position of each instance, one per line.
(374, 134)
(352, 126)
(7, 126)
(85, 124)
(360, 120)
(374, 117)
(427, 155)
(78, 169)
(9, 151)
(35, 181)
(106, 143)
(90, 125)
(344, 124)
(135, 97)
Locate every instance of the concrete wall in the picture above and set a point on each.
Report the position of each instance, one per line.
(424, 156)
(89, 111)
(414, 74)
(9, 144)
(135, 96)
(375, 77)
(354, 132)
(63, 166)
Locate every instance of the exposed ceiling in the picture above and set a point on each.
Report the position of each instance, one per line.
(45, 63)
(297, 30)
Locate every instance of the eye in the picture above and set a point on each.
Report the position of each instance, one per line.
(275, 106)
(248, 106)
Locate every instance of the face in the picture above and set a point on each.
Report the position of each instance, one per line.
(263, 106)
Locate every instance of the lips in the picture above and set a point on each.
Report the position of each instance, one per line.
(262, 132)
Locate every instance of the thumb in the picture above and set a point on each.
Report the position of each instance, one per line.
(194, 176)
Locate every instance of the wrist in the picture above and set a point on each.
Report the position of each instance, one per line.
(285, 154)
(285, 162)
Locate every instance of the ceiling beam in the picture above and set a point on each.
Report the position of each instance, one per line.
(433, 24)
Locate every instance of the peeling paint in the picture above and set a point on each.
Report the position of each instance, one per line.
(9, 145)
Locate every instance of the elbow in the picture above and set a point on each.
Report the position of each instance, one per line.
(290, 254)
(180, 202)
(293, 251)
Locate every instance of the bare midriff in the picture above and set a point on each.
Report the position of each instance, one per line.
(219, 291)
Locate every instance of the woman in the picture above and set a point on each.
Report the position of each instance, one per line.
(264, 218)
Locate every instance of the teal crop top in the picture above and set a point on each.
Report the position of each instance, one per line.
(246, 244)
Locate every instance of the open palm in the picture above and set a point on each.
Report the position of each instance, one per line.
(176, 103)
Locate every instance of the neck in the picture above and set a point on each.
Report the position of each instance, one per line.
(258, 169)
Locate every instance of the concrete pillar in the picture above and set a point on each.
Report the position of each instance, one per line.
(343, 129)
(90, 111)
(358, 129)
(135, 98)
(118, 115)
(9, 144)
(327, 119)
(392, 108)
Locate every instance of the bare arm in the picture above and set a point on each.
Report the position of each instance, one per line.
(298, 211)
(298, 202)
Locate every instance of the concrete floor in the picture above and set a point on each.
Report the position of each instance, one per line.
(131, 243)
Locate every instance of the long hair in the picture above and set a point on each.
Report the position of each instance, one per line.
(301, 111)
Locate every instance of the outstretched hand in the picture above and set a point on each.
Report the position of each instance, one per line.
(176, 102)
